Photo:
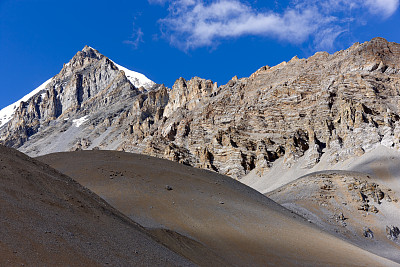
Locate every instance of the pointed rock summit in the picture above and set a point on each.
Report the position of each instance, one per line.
(88, 81)
(88, 56)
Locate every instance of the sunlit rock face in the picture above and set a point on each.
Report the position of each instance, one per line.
(342, 104)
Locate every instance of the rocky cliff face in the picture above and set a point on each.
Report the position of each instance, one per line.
(341, 105)
(88, 84)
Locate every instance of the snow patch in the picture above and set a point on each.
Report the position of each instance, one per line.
(7, 112)
(136, 78)
(79, 122)
(388, 140)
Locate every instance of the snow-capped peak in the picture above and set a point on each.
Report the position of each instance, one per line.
(136, 78)
(7, 112)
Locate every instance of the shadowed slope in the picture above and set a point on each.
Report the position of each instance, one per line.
(351, 205)
(235, 221)
(47, 219)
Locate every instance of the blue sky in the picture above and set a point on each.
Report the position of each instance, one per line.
(213, 39)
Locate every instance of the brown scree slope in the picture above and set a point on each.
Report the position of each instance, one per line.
(236, 222)
(47, 219)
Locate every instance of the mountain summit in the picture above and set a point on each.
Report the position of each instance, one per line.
(305, 112)
(87, 81)
(88, 56)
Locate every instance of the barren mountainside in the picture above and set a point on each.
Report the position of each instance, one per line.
(48, 219)
(341, 105)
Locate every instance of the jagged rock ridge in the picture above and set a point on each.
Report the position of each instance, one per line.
(341, 104)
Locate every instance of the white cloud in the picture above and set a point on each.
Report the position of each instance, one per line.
(197, 23)
(383, 7)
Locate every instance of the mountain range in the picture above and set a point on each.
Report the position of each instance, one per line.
(337, 106)
(320, 136)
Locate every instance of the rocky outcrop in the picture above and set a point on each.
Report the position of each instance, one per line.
(392, 232)
(341, 104)
(188, 94)
(352, 205)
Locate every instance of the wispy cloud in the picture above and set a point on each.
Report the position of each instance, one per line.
(384, 8)
(158, 1)
(197, 23)
(136, 37)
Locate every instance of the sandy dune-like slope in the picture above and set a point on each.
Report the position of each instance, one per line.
(352, 205)
(48, 219)
(239, 224)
